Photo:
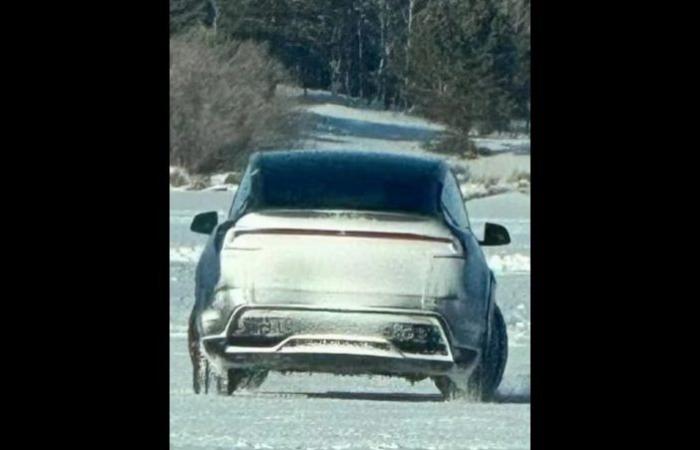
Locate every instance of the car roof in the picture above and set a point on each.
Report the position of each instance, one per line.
(393, 161)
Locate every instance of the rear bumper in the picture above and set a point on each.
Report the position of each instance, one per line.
(350, 349)
(336, 363)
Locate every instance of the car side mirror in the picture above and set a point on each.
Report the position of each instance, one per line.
(205, 222)
(495, 234)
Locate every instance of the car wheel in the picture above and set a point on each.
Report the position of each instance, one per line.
(200, 375)
(199, 363)
(487, 375)
(200, 372)
(210, 381)
(205, 380)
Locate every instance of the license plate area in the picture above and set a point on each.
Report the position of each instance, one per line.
(266, 327)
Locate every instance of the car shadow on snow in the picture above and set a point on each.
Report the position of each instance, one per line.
(512, 398)
(376, 396)
(391, 397)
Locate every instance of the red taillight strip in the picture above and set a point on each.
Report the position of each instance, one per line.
(450, 256)
(340, 233)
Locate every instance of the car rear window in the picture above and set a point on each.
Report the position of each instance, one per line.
(343, 182)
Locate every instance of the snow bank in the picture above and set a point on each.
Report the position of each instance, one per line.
(503, 144)
(181, 180)
(185, 254)
(512, 263)
(178, 331)
(221, 187)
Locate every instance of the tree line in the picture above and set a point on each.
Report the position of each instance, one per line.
(466, 62)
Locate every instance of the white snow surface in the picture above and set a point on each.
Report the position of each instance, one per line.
(185, 254)
(516, 263)
(373, 116)
(500, 144)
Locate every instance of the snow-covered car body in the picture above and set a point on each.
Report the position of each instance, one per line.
(343, 262)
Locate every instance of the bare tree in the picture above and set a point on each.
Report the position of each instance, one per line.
(222, 102)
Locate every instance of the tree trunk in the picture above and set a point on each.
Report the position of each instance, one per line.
(381, 77)
(360, 69)
(409, 29)
(215, 11)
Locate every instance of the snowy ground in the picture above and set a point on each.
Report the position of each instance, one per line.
(323, 411)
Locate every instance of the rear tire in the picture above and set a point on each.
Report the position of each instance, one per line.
(204, 379)
(487, 375)
(199, 364)
(214, 383)
(200, 369)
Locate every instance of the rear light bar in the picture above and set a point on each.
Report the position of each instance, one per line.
(342, 233)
